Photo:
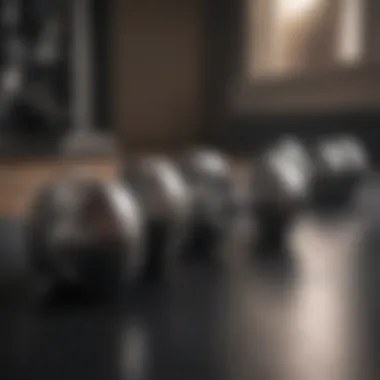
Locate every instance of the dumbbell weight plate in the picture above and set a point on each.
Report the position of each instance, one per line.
(209, 176)
(85, 234)
(281, 182)
(341, 164)
(166, 202)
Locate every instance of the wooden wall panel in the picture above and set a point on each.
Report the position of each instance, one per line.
(19, 180)
(156, 72)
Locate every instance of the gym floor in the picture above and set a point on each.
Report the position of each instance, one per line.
(299, 319)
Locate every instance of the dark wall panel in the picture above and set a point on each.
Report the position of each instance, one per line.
(226, 128)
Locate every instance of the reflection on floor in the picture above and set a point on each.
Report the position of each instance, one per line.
(306, 329)
(297, 324)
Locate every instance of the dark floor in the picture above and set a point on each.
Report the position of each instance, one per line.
(301, 319)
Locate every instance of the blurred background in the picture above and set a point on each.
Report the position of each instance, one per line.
(168, 75)
(92, 83)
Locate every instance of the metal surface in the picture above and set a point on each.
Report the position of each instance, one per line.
(74, 216)
(166, 203)
(342, 164)
(209, 175)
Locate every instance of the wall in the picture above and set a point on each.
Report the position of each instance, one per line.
(156, 72)
(251, 132)
(20, 179)
(155, 51)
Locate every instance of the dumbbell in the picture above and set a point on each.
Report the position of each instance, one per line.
(341, 164)
(84, 235)
(209, 176)
(280, 186)
(14, 278)
(165, 201)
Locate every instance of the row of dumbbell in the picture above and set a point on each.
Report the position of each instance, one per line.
(163, 214)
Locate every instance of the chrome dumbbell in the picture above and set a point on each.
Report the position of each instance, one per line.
(85, 234)
(166, 204)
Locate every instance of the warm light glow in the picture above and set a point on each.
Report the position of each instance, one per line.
(350, 42)
(291, 22)
(290, 36)
(290, 8)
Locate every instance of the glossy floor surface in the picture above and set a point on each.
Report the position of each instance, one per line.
(300, 318)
